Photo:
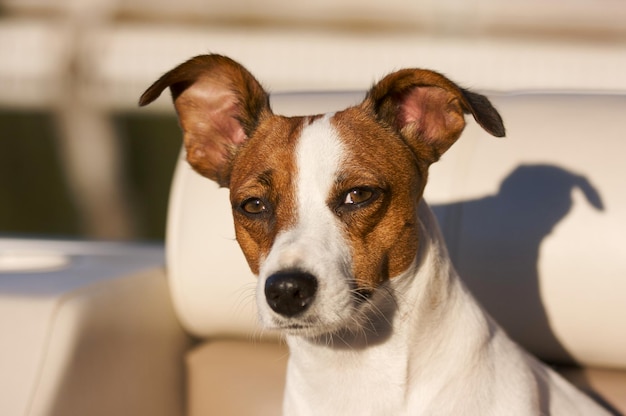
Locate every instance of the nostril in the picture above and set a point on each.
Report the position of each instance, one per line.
(290, 293)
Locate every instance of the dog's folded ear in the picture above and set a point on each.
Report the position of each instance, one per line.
(427, 109)
(219, 105)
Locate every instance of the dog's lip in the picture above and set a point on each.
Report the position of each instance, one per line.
(306, 328)
(295, 327)
(298, 328)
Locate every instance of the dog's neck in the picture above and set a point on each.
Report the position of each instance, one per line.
(407, 329)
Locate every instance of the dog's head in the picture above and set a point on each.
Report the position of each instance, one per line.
(325, 205)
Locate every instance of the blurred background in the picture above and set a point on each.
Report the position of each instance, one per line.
(78, 159)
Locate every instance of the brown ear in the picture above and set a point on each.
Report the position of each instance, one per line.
(427, 110)
(219, 105)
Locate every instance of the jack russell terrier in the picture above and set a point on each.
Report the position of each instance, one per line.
(351, 265)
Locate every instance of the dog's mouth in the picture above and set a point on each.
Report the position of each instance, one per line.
(298, 329)
(309, 331)
(305, 329)
(365, 314)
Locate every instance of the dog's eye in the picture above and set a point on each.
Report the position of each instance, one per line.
(358, 196)
(254, 206)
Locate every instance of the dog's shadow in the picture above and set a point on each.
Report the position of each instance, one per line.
(495, 245)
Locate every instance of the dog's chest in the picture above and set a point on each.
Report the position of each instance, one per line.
(372, 381)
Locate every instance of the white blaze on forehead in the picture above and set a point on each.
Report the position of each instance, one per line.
(319, 243)
(318, 156)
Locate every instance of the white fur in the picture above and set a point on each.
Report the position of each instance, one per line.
(420, 346)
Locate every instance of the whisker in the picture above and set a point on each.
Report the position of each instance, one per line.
(245, 295)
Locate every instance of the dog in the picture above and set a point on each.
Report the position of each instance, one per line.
(351, 265)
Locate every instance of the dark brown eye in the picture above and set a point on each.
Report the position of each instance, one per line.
(358, 196)
(254, 206)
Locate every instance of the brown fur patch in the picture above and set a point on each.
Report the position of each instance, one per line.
(384, 234)
(264, 168)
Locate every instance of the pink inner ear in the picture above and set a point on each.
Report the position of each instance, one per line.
(432, 112)
(207, 107)
(218, 117)
(208, 116)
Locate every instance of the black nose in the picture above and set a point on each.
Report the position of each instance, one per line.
(290, 293)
